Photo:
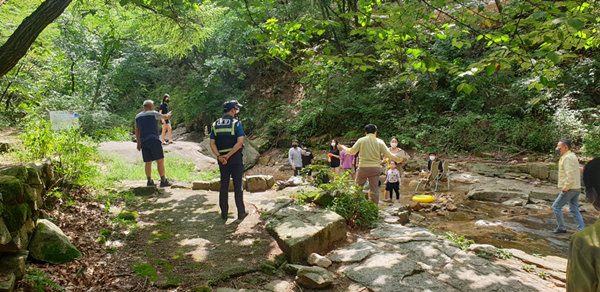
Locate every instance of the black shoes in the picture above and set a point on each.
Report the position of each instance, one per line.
(242, 216)
(165, 183)
(559, 231)
(223, 216)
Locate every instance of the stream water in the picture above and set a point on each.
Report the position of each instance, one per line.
(526, 228)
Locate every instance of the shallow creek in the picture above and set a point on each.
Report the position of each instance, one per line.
(526, 228)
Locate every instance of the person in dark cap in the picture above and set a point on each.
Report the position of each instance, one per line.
(226, 142)
(583, 267)
(295, 157)
(432, 158)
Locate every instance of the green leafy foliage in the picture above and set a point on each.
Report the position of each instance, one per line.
(37, 280)
(72, 152)
(529, 268)
(146, 270)
(463, 243)
(503, 254)
(544, 275)
(352, 204)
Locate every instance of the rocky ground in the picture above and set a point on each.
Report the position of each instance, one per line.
(180, 243)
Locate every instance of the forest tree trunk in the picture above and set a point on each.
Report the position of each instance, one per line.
(19, 42)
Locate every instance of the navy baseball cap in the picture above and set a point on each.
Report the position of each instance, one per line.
(229, 105)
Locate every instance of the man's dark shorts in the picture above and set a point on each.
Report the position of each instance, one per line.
(167, 121)
(152, 150)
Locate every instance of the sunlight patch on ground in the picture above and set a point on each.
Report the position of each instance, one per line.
(201, 250)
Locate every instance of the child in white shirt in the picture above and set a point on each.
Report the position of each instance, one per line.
(393, 182)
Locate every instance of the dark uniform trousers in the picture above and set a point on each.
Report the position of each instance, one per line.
(233, 169)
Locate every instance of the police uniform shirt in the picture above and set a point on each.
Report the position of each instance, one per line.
(225, 123)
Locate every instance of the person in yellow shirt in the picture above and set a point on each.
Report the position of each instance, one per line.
(569, 183)
(583, 268)
(369, 149)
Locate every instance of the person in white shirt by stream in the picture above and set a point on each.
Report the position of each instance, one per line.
(393, 182)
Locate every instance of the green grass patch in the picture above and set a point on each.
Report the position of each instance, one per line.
(177, 167)
(146, 270)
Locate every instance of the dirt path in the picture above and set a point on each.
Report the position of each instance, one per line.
(182, 243)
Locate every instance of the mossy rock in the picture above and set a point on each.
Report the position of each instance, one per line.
(260, 144)
(325, 199)
(201, 289)
(5, 236)
(49, 244)
(33, 176)
(128, 215)
(15, 216)
(32, 198)
(284, 143)
(19, 172)
(11, 189)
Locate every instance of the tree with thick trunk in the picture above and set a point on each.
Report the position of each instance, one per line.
(19, 42)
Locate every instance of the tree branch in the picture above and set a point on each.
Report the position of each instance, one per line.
(21, 40)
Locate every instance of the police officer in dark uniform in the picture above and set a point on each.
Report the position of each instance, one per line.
(226, 142)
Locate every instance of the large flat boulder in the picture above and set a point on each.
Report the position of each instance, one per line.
(314, 277)
(538, 170)
(5, 237)
(260, 144)
(19, 238)
(215, 185)
(203, 185)
(257, 183)
(356, 252)
(19, 172)
(50, 244)
(14, 263)
(415, 165)
(7, 282)
(250, 155)
(489, 169)
(550, 262)
(300, 233)
(499, 195)
(11, 190)
(391, 272)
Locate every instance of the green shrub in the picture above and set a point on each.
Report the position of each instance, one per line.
(146, 270)
(120, 134)
(351, 203)
(37, 280)
(462, 242)
(591, 145)
(72, 152)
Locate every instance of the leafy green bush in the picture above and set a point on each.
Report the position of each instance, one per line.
(462, 242)
(120, 134)
(72, 152)
(591, 145)
(351, 203)
(36, 279)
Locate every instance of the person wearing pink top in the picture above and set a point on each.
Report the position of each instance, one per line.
(347, 161)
